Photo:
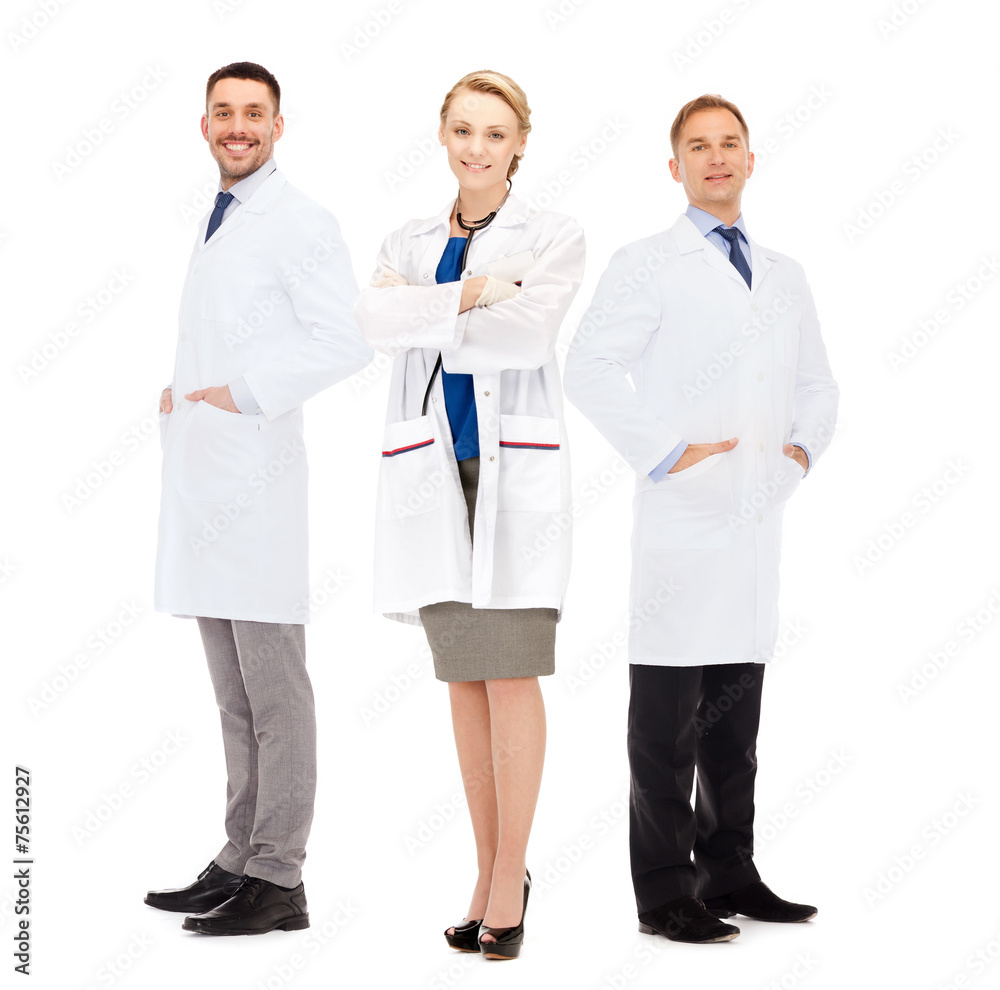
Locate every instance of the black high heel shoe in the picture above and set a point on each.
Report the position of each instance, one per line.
(508, 940)
(465, 936)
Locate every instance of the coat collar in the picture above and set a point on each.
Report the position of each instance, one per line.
(689, 238)
(513, 213)
(263, 198)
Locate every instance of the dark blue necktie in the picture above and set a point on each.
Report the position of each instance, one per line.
(215, 220)
(732, 235)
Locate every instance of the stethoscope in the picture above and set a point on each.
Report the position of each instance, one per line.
(476, 224)
(471, 228)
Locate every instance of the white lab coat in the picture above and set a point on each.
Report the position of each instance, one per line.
(270, 298)
(522, 547)
(710, 359)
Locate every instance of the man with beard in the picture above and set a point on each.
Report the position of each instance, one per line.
(266, 321)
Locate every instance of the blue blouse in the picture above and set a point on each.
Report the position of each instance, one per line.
(459, 393)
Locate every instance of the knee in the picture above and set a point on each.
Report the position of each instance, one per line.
(513, 689)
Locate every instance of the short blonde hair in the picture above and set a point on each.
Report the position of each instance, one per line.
(709, 101)
(497, 84)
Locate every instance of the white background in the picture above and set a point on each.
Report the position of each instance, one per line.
(858, 786)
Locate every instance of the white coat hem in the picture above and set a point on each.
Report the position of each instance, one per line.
(249, 616)
(700, 661)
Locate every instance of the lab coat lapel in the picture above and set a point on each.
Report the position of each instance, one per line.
(760, 264)
(433, 234)
(261, 201)
(435, 231)
(689, 238)
(231, 223)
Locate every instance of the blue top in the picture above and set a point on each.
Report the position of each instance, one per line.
(459, 392)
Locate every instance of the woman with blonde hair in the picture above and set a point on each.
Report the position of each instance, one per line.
(475, 472)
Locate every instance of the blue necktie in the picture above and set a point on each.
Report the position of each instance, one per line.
(215, 220)
(732, 235)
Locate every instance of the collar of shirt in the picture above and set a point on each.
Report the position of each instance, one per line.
(247, 186)
(706, 224)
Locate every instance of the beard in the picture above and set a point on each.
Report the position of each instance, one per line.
(240, 168)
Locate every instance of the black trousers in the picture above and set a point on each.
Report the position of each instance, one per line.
(682, 720)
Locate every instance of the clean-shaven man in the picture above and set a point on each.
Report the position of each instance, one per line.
(266, 321)
(731, 402)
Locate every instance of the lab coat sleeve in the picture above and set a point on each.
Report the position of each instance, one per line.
(521, 333)
(394, 318)
(614, 333)
(322, 300)
(816, 395)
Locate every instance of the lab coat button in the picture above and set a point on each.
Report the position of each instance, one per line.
(426, 275)
(760, 447)
(760, 376)
(491, 457)
(486, 393)
(468, 271)
(760, 519)
(753, 308)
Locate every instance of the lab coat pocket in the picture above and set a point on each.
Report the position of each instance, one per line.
(691, 509)
(530, 470)
(221, 450)
(411, 476)
(787, 478)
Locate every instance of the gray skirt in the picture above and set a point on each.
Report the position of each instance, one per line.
(485, 644)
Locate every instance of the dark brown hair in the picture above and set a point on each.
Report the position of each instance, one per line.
(246, 70)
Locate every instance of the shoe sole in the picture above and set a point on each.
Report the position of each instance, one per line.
(754, 917)
(646, 930)
(182, 910)
(500, 955)
(292, 925)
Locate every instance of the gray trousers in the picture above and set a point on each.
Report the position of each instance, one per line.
(258, 670)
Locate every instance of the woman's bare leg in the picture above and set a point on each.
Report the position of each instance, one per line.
(517, 724)
(470, 717)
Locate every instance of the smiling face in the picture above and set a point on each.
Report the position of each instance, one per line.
(481, 136)
(240, 126)
(713, 162)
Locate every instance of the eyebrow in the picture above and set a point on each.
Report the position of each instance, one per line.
(725, 137)
(490, 127)
(224, 103)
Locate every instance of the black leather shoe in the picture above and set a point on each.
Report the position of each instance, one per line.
(508, 940)
(213, 886)
(760, 902)
(686, 920)
(464, 936)
(257, 906)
